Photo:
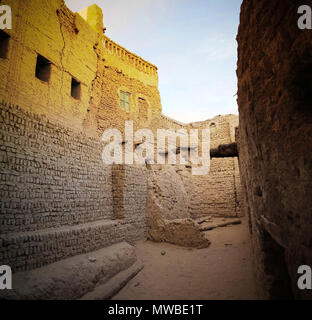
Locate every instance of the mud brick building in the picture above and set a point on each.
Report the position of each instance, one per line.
(64, 212)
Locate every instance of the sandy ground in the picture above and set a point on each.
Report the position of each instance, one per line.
(222, 271)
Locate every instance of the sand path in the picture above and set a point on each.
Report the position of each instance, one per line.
(222, 271)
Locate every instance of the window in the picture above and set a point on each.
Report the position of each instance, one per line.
(125, 101)
(4, 44)
(43, 68)
(75, 89)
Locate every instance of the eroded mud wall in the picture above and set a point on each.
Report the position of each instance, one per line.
(275, 138)
(57, 196)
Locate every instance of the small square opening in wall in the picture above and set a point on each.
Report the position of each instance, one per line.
(75, 89)
(43, 68)
(4, 44)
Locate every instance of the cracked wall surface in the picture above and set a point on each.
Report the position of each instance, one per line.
(74, 50)
(48, 28)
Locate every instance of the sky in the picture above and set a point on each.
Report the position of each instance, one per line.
(193, 44)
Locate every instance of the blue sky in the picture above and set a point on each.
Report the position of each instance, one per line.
(191, 41)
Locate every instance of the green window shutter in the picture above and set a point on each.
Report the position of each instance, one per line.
(125, 101)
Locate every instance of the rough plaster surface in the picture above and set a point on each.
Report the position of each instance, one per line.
(275, 135)
(168, 217)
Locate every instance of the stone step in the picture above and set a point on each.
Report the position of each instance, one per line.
(74, 277)
(115, 284)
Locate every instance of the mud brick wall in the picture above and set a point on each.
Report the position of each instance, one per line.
(118, 186)
(50, 176)
(219, 192)
(56, 193)
(275, 138)
(135, 195)
(29, 250)
(105, 112)
(50, 29)
(75, 50)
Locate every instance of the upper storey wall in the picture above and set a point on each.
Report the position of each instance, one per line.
(49, 29)
(222, 129)
(115, 55)
(130, 64)
(76, 50)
